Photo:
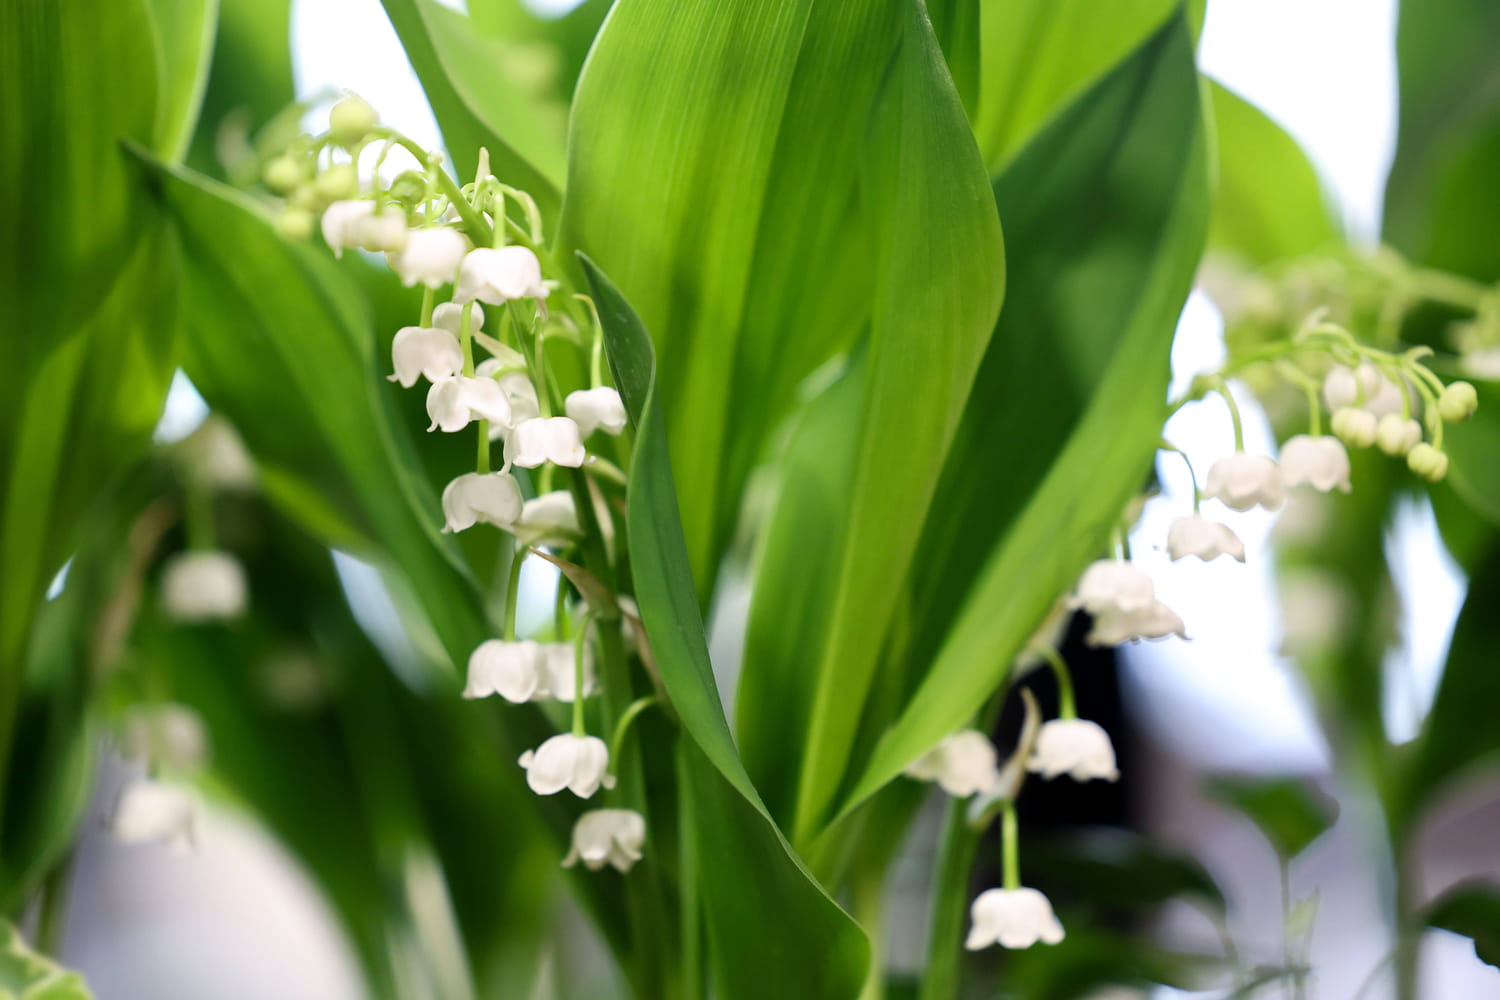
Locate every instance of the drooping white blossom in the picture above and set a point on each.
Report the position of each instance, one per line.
(453, 403)
(519, 392)
(545, 439)
(577, 763)
(1113, 585)
(1367, 388)
(599, 408)
(152, 812)
(350, 223)
(1320, 462)
(1012, 918)
(449, 316)
(1198, 536)
(1156, 621)
(429, 256)
(1243, 481)
(384, 231)
(607, 837)
(481, 498)
(203, 586)
(216, 457)
(1075, 747)
(512, 669)
(1397, 436)
(429, 352)
(962, 764)
(550, 519)
(498, 275)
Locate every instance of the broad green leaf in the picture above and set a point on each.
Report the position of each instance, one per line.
(1473, 469)
(773, 931)
(1036, 56)
(82, 416)
(1289, 813)
(249, 84)
(1269, 203)
(186, 29)
(478, 102)
(26, 975)
(1459, 732)
(1115, 868)
(1440, 207)
(1473, 910)
(735, 185)
(1106, 212)
(955, 25)
(569, 36)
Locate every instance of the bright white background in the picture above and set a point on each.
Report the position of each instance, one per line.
(1325, 70)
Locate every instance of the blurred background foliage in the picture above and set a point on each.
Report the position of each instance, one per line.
(796, 212)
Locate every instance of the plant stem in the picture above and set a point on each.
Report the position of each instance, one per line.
(512, 588)
(866, 897)
(52, 917)
(949, 905)
(1067, 707)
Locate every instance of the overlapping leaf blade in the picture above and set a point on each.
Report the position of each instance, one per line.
(1106, 212)
(773, 930)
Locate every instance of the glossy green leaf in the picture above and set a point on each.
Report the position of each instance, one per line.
(26, 975)
(773, 931)
(1037, 56)
(1459, 732)
(737, 187)
(1269, 203)
(249, 84)
(1440, 207)
(955, 25)
(478, 102)
(1473, 910)
(186, 29)
(1106, 212)
(568, 37)
(1289, 813)
(1473, 470)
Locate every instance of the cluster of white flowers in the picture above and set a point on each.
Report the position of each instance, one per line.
(440, 235)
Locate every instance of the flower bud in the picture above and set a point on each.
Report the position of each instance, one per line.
(203, 586)
(1458, 402)
(1356, 427)
(306, 198)
(295, 224)
(284, 174)
(338, 182)
(350, 120)
(1427, 462)
(152, 812)
(1397, 435)
(409, 188)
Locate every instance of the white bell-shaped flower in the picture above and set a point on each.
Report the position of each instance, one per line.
(1242, 481)
(344, 224)
(545, 439)
(1198, 536)
(577, 763)
(498, 275)
(560, 673)
(168, 734)
(1075, 747)
(599, 408)
(550, 519)
(1113, 584)
(1320, 462)
(1012, 918)
(151, 812)
(1156, 621)
(607, 837)
(513, 670)
(384, 231)
(449, 316)
(453, 402)
(430, 256)
(1367, 388)
(962, 764)
(216, 457)
(203, 586)
(1397, 435)
(481, 498)
(519, 392)
(431, 352)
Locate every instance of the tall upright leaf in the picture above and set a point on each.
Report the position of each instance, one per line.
(1107, 213)
(733, 185)
(772, 928)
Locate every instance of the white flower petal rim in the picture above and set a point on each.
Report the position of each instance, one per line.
(1076, 747)
(1012, 918)
(577, 763)
(612, 837)
(963, 764)
(1198, 536)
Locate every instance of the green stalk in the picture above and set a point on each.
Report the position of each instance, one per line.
(512, 589)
